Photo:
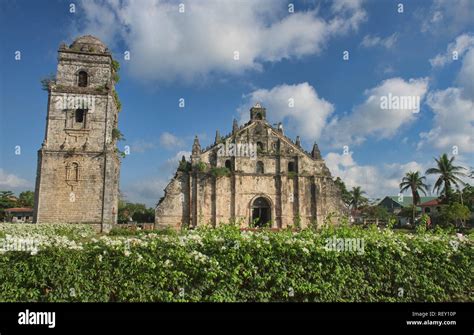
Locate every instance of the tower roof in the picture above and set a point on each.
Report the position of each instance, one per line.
(88, 43)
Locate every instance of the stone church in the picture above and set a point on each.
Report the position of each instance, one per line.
(255, 176)
(78, 166)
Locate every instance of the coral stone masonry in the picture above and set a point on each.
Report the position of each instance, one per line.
(78, 167)
(255, 176)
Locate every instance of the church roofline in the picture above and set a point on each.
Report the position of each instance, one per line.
(250, 123)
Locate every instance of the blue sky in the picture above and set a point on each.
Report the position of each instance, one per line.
(282, 56)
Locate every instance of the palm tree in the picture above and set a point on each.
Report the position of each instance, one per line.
(357, 198)
(415, 182)
(449, 176)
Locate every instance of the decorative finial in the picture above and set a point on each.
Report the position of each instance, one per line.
(315, 153)
(218, 137)
(298, 141)
(196, 146)
(235, 126)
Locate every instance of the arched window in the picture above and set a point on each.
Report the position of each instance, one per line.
(75, 171)
(291, 167)
(260, 168)
(260, 146)
(79, 115)
(72, 172)
(427, 210)
(261, 212)
(82, 79)
(228, 164)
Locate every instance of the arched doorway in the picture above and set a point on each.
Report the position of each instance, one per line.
(261, 212)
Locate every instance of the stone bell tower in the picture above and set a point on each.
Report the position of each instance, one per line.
(78, 170)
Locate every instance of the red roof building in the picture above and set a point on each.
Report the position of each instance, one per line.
(431, 206)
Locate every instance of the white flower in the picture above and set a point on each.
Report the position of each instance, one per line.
(100, 258)
(306, 251)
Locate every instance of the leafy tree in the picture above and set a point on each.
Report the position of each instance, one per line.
(7, 200)
(136, 212)
(345, 194)
(448, 176)
(377, 212)
(357, 198)
(184, 165)
(465, 196)
(407, 212)
(415, 183)
(454, 213)
(26, 199)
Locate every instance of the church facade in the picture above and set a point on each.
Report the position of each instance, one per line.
(77, 177)
(255, 176)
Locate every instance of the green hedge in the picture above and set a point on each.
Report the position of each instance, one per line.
(225, 264)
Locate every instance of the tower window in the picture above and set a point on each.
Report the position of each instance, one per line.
(72, 172)
(228, 164)
(260, 168)
(79, 116)
(82, 79)
(291, 167)
(75, 171)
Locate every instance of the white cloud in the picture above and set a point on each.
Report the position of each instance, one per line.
(307, 116)
(461, 45)
(170, 141)
(370, 41)
(9, 180)
(150, 190)
(453, 121)
(147, 191)
(465, 78)
(377, 181)
(453, 107)
(167, 45)
(141, 145)
(370, 119)
(447, 16)
(172, 163)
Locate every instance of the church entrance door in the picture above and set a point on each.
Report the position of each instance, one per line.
(261, 212)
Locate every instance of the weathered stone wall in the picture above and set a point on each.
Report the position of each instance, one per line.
(67, 201)
(301, 198)
(78, 167)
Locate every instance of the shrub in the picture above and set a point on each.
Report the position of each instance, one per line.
(225, 264)
(47, 81)
(117, 100)
(201, 166)
(220, 172)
